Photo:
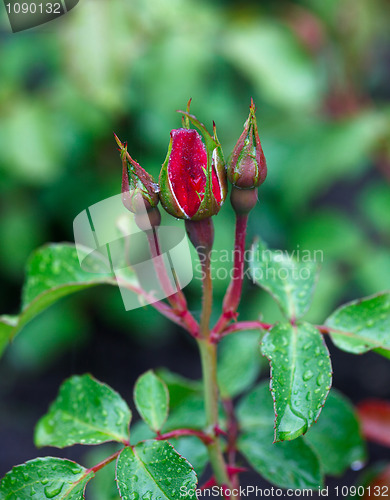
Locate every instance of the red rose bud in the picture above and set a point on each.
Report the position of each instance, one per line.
(193, 176)
(139, 191)
(247, 166)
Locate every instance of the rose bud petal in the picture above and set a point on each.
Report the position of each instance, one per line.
(193, 176)
(247, 167)
(139, 191)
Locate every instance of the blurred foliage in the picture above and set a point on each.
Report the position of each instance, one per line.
(318, 74)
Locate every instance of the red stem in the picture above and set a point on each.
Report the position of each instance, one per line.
(232, 431)
(239, 327)
(176, 299)
(158, 305)
(180, 319)
(233, 294)
(104, 462)
(186, 432)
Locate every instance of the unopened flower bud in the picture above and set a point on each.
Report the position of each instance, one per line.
(139, 191)
(247, 167)
(193, 176)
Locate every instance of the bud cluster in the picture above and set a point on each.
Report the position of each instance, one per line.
(193, 178)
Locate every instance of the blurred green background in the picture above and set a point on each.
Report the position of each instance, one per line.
(318, 72)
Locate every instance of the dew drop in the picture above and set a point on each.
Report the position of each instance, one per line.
(53, 490)
(357, 465)
(292, 423)
(308, 374)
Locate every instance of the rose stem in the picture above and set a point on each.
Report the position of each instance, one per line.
(233, 294)
(176, 299)
(201, 235)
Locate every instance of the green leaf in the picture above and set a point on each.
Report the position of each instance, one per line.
(362, 324)
(53, 271)
(291, 464)
(190, 413)
(151, 398)
(179, 387)
(239, 363)
(383, 352)
(255, 409)
(8, 326)
(45, 478)
(288, 465)
(336, 437)
(301, 376)
(290, 282)
(193, 450)
(46, 338)
(86, 412)
(153, 469)
(186, 403)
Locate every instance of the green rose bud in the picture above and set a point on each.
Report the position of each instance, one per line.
(139, 191)
(247, 167)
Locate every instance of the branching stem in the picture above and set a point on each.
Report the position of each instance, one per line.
(105, 462)
(207, 439)
(240, 326)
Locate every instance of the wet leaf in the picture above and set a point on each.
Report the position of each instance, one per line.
(153, 469)
(301, 376)
(362, 324)
(193, 450)
(151, 398)
(86, 412)
(336, 437)
(239, 363)
(45, 478)
(291, 464)
(179, 387)
(290, 282)
(53, 271)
